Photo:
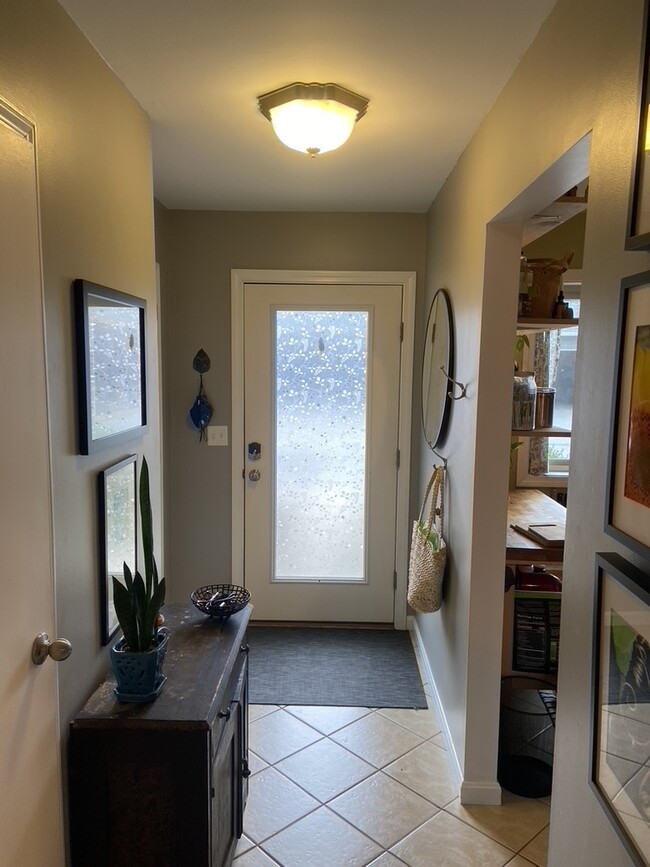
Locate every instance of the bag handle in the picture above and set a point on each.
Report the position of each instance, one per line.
(436, 487)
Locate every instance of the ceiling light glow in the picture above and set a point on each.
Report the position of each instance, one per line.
(313, 118)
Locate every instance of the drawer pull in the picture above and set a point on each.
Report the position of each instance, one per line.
(244, 648)
(246, 771)
(225, 714)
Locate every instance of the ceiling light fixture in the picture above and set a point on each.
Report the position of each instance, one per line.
(312, 118)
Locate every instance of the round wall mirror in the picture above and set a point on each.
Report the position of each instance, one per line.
(438, 353)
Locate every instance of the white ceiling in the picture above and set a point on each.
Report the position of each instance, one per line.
(431, 69)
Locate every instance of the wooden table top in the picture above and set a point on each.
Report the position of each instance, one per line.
(529, 506)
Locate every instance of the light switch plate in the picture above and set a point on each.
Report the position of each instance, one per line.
(217, 435)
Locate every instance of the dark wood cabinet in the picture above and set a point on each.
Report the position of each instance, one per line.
(165, 783)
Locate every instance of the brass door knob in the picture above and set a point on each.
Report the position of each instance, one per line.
(58, 650)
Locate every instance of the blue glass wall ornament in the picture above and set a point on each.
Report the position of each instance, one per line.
(201, 411)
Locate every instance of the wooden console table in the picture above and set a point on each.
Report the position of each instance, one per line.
(165, 783)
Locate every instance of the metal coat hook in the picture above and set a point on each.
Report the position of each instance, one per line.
(463, 388)
(440, 457)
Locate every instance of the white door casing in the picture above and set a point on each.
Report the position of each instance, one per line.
(31, 827)
(252, 500)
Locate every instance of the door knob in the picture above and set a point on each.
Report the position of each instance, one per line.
(254, 475)
(58, 650)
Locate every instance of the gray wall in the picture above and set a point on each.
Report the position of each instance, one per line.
(94, 172)
(197, 251)
(580, 76)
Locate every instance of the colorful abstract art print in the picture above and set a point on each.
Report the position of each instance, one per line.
(637, 469)
(628, 511)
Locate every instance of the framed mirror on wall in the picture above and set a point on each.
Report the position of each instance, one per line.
(437, 370)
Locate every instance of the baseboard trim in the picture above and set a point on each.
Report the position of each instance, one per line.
(412, 625)
(485, 794)
(480, 793)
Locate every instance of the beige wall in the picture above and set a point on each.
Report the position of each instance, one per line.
(197, 252)
(580, 75)
(568, 236)
(94, 168)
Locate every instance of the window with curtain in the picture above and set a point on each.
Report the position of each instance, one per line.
(551, 355)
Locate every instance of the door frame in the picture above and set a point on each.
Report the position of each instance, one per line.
(406, 279)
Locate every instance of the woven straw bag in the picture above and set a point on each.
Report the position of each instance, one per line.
(428, 550)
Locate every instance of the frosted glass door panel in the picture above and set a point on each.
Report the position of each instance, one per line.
(321, 374)
(321, 399)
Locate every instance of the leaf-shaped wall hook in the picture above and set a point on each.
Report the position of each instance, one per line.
(201, 362)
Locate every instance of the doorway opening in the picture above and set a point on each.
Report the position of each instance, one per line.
(491, 466)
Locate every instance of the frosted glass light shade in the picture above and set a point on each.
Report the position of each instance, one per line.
(313, 118)
(313, 126)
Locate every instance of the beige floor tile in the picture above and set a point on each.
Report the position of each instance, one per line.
(536, 851)
(423, 722)
(328, 719)
(518, 861)
(321, 839)
(440, 741)
(255, 711)
(254, 858)
(386, 860)
(454, 844)
(243, 845)
(513, 824)
(383, 809)
(255, 763)
(325, 769)
(273, 803)
(377, 739)
(427, 771)
(278, 735)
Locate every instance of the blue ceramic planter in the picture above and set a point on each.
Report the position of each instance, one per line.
(139, 675)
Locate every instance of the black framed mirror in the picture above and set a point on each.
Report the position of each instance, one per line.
(438, 355)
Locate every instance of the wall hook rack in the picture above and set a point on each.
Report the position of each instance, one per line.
(456, 384)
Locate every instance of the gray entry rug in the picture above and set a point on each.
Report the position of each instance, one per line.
(339, 667)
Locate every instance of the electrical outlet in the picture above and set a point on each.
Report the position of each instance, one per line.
(217, 435)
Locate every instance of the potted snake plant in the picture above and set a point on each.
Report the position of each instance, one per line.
(137, 658)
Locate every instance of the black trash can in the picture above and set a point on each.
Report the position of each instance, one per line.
(526, 736)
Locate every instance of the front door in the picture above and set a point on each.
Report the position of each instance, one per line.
(30, 820)
(321, 409)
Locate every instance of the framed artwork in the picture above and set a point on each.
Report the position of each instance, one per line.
(621, 717)
(628, 515)
(117, 534)
(111, 380)
(638, 234)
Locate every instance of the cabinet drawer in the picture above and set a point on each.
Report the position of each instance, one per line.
(230, 695)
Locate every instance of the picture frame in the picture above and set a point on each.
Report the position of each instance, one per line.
(620, 775)
(628, 494)
(118, 532)
(638, 232)
(111, 369)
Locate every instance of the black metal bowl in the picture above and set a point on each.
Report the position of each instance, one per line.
(220, 600)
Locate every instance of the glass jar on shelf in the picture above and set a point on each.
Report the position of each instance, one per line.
(524, 395)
